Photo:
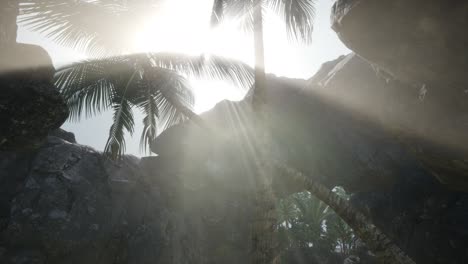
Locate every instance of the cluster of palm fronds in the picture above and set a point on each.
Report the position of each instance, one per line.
(298, 15)
(154, 83)
(97, 27)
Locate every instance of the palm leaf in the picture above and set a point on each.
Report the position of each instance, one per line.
(298, 16)
(97, 27)
(152, 82)
(241, 11)
(87, 86)
(208, 67)
(123, 121)
(150, 110)
(217, 13)
(173, 96)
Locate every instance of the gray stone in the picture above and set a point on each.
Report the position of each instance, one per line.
(30, 105)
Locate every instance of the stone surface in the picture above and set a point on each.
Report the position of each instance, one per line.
(347, 126)
(67, 203)
(65, 135)
(418, 41)
(323, 139)
(426, 219)
(431, 125)
(30, 105)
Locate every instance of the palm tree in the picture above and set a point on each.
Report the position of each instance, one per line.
(150, 82)
(298, 16)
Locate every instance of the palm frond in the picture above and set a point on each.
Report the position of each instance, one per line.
(97, 27)
(173, 95)
(150, 110)
(240, 11)
(217, 12)
(87, 86)
(298, 16)
(152, 82)
(209, 67)
(123, 122)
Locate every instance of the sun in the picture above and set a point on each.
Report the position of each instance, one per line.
(187, 30)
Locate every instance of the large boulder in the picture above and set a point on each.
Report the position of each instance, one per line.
(67, 203)
(309, 132)
(418, 43)
(30, 105)
(425, 218)
(431, 124)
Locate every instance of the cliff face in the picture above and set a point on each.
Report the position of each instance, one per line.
(420, 44)
(67, 203)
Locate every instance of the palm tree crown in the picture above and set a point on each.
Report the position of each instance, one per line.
(152, 83)
(298, 15)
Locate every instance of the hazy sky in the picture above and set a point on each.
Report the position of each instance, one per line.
(282, 58)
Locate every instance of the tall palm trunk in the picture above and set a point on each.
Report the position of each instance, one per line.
(264, 246)
(386, 251)
(9, 10)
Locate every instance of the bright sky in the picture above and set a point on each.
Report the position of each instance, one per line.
(187, 30)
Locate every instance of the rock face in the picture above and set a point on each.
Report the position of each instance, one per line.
(30, 106)
(343, 127)
(419, 40)
(418, 43)
(422, 210)
(426, 219)
(66, 203)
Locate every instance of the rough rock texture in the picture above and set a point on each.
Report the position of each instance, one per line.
(426, 219)
(419, 40)
(66, 203)
(336, 146)
(30, 106)
(341, 128)
(422, 210)
(419, 43)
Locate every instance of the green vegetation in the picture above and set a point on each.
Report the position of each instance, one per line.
(309, 228)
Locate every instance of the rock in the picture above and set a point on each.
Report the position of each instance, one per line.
(30, 106)
(67, 203)
(431, 128)
(323, 139)
(420, 45)
(416, 41)
(425, 218)
(352, 260)
(62, 134)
